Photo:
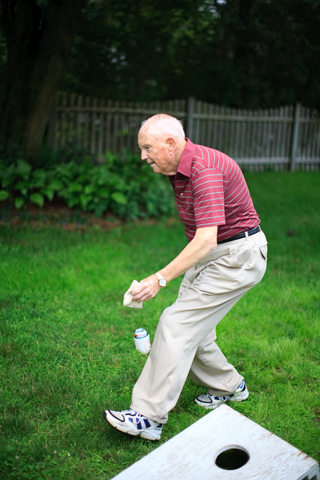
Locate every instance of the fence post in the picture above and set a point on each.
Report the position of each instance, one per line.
(191, 103)
(295, 137)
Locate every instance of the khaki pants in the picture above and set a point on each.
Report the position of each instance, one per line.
(184, 342)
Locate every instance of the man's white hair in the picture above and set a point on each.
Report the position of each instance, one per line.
(164, 124)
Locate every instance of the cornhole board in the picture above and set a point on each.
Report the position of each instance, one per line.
(224, 436)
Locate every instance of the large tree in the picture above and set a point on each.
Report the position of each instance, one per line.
(38, 37)
(239, 53)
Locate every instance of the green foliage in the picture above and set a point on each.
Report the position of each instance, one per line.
(21, 183)
(124, 186)
(233, 52)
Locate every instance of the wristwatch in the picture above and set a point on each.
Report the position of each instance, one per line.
(162, 281)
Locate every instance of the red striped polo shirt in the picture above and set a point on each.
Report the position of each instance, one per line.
(210, 190)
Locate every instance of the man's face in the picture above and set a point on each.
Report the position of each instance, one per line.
(157, 152)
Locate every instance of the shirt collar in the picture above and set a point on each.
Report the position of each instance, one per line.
(186, 159)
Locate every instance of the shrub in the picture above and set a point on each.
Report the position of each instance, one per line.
(123, 185)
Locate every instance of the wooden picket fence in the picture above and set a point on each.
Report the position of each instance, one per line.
(282, 138)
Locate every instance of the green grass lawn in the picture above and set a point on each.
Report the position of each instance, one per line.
(67, 352)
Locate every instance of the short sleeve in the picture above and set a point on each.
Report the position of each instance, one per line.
(208, 194)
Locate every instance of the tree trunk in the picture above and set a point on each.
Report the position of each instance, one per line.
(39, 39)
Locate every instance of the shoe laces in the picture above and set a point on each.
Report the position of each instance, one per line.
(212, 397)
(137, 418)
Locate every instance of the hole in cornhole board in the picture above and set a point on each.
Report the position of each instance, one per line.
(232, 457)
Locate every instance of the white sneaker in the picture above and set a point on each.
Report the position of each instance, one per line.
(133, 423)
(210, 402)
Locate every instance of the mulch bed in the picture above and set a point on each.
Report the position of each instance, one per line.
(55, 215)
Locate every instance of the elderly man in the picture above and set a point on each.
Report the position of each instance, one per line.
(226, 255)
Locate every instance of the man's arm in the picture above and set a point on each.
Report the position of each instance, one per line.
(204, 241)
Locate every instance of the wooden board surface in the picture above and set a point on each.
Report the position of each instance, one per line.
(192, 453)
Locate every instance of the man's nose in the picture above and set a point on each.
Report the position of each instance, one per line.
(144, 155)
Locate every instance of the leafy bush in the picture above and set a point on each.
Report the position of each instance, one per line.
(124, 186)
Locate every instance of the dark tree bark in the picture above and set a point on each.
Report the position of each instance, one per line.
(39, 39)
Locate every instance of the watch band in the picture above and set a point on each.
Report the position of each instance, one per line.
(161, 280)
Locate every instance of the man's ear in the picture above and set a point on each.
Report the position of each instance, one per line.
(170, 141)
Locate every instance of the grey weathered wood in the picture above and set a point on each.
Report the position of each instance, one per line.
(71, 117)
(101, 120)
(78, 117)
(191, 454)
(295, 137)
(94, 118)
(191, 105)
(64, 99)
(86, 121)
(261, 137)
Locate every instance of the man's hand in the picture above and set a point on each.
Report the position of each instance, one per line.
(205, 241)
(148, 288)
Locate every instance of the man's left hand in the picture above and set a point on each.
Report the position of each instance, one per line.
(148, 288)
